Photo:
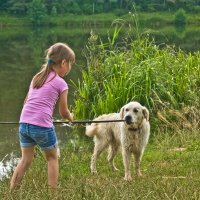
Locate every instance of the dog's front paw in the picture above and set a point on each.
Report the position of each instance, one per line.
(93, 172)
(128, 177)
(138, 174)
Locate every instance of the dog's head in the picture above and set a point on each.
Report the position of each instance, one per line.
(134, 113)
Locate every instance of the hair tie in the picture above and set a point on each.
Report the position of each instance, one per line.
(49, 60)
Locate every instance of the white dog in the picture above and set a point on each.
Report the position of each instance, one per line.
(132, 135)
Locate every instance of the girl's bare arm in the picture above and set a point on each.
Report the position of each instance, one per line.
(63, 107)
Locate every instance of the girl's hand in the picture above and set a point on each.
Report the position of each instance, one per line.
(70, 118)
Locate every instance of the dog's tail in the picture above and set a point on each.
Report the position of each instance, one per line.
(91, 130)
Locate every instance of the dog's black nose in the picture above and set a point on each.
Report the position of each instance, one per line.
(128, 119)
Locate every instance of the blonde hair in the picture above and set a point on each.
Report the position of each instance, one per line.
(54, 56)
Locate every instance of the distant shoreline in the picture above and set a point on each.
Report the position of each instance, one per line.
(150, 19)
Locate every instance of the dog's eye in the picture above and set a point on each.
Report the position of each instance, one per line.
(135, 110)
(127, 109)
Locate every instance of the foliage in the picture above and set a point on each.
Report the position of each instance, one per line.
(196, 9)
(54, 11)
(19, 7)
(36, 12)
(180, 17)
(136, 70)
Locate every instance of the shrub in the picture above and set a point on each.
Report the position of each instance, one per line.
(54, 11)
(180, 17)
(36, 12)
(195, 9)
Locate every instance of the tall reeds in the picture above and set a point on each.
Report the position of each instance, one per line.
(136, 69)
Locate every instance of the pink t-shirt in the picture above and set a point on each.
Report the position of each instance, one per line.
(39, 107)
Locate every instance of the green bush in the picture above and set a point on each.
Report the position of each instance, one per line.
(37, 12)
(54, 11)
(196, 9)
(180, 17)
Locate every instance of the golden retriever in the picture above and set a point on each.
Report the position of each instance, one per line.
(131, 135)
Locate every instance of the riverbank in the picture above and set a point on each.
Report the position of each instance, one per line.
(170, 169)
(149, 19)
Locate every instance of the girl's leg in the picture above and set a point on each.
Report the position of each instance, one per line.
(26, 160)
(52, 160)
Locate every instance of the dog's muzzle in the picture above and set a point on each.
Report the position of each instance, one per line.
(128, 119)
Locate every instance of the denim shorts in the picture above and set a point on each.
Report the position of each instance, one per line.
(31, 135)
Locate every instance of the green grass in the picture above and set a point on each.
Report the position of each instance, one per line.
(153, 18)
(170, 168)
(134, 68)
(9, 20)
(60, 20)
(163, 18)
(82, 20)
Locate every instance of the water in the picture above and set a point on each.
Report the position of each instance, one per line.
(21, 55)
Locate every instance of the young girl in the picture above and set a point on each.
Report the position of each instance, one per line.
(36, 126)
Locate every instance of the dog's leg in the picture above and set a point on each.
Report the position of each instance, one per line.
(99, 147)
(111, 154)
(126, 160)
(138, 157)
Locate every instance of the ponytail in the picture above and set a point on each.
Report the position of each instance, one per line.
(40, 78)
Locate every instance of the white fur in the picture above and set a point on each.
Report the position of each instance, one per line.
(132, 136)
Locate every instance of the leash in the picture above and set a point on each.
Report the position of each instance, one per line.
(75, 122)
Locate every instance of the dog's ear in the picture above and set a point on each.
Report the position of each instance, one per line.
(122, 113)
(145, 113)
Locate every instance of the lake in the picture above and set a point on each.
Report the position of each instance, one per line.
(21, 55)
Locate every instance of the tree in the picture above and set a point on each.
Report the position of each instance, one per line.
(36, 12)
(106, 5)
(180, 17)
(17, 7)
(3, 5)
(54, 11)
